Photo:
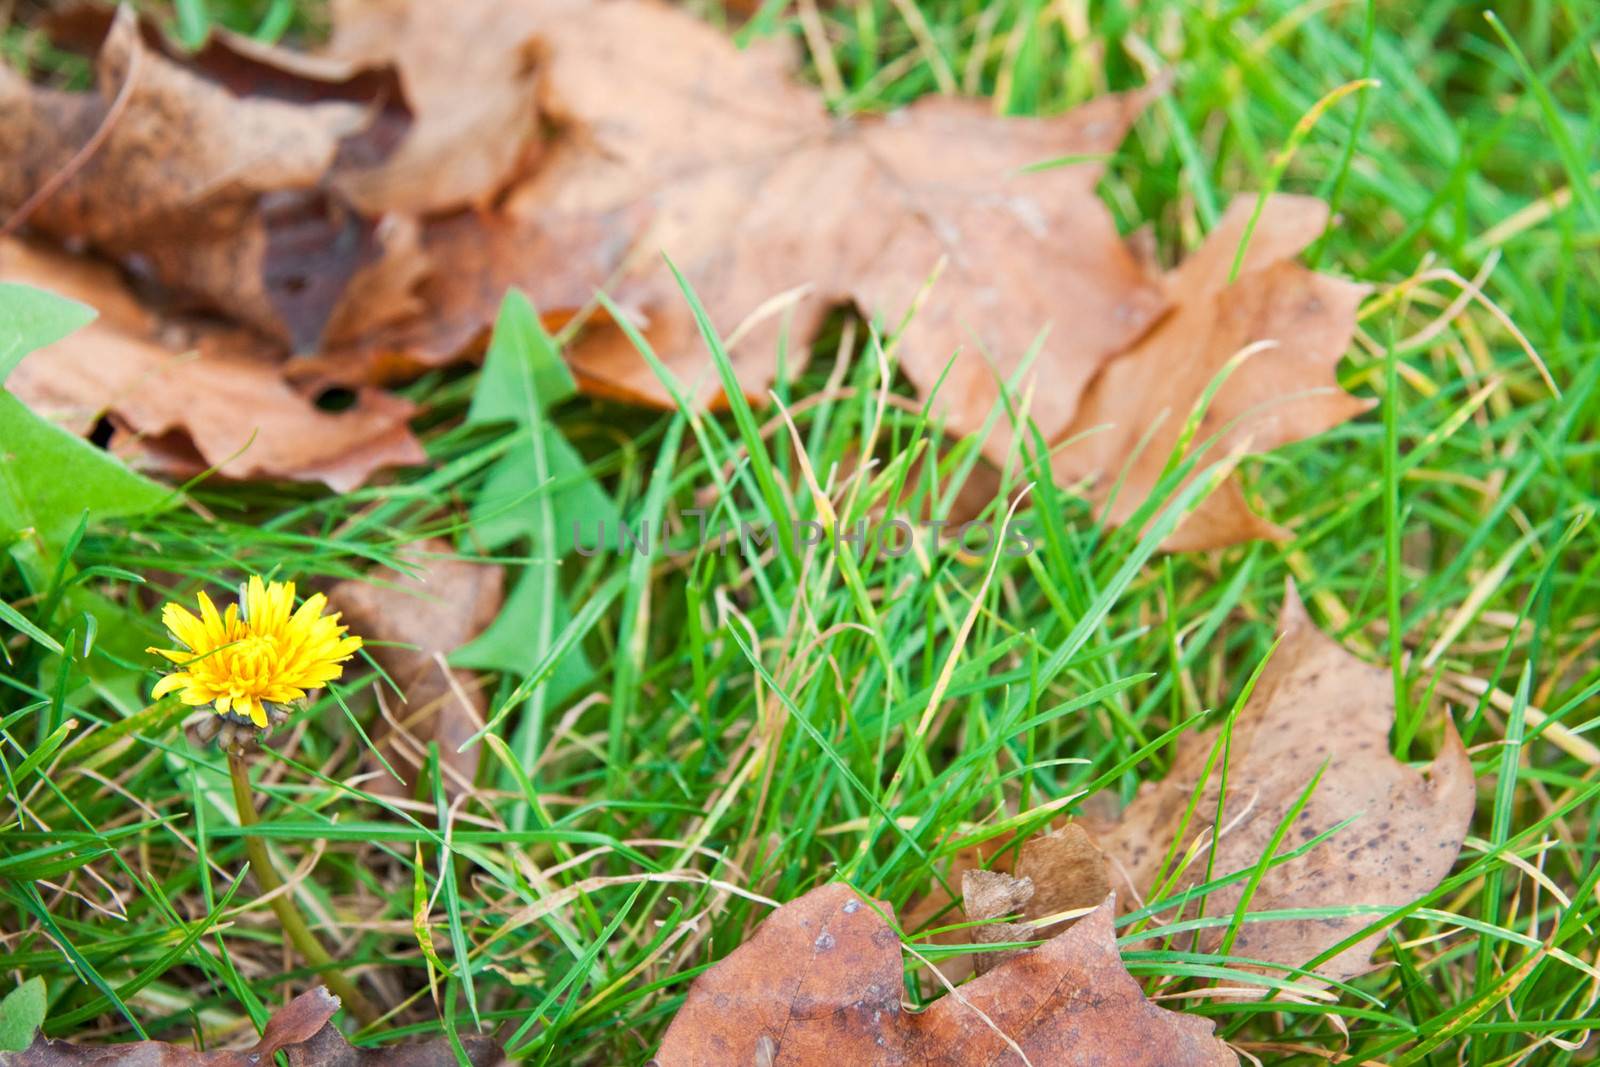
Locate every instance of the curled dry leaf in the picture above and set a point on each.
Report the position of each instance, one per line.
(820, 983)
(435, 609)
(302, 1029)
(1299, 324)
(248, 67)
(1061, 871)
(180, 144)
(473, 259)
(1314, 705)
(468, 71)
(186, 401)
(221, 196)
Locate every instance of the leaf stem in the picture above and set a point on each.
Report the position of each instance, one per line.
(283, 906)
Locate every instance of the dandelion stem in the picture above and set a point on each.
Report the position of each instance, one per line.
(283, 906)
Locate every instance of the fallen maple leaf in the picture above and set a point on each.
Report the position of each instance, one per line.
(820, 981)
(1300, 324)
(202, 402)
(1023, 253)
(432, 611)
(755, 192)
(220, 196)
(302, 1029)
(1315, 706)
(666, 138)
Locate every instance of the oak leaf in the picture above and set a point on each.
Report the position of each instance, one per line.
(1297, 322)
(1314, 706)
(185, 399)
(820, 982)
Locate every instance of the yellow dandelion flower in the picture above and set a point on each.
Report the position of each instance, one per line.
(270, 652)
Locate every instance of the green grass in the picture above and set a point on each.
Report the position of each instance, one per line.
(757, 718)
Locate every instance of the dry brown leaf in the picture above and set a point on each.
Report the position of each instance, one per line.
(468, 72)
(1315, 702)
(328, 1048)
(820, 982)
(440, 606)
(385, 289)
(472, 259)
(664, 137)
(219, 196)
(1067, 871)
(1060, 871)
(661, 136)
(1024, 253)
(991, 895)
(294, 1023)
(244, 65)
(181, 145)
(1288, 390)
(189, 401)
(302, 1029)
(774, 212)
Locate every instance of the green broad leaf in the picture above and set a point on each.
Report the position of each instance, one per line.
(33, 318)
(113, 665)
(504, 647)
(49, 478)
(21, 1015)
(500, 513)
(533, 497)
(523, 364)
(49, 481)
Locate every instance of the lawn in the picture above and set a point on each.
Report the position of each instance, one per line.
(679, 738)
